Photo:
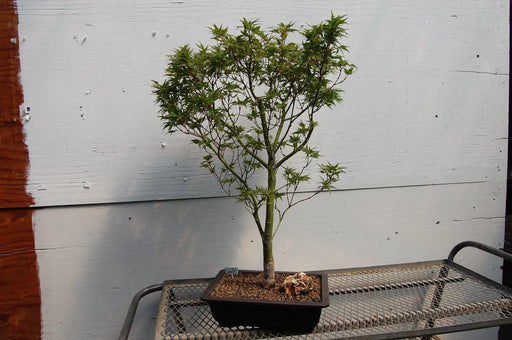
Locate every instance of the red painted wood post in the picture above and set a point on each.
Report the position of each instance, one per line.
(20, 298)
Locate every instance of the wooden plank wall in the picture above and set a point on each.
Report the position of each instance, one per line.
(118, 204)
(406, 118)
(20, 300)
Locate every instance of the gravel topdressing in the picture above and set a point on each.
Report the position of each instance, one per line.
(248, 286)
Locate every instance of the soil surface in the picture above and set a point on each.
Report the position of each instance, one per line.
(248, 286)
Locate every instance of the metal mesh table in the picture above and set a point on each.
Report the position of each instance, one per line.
(385, 302)
(397, 300)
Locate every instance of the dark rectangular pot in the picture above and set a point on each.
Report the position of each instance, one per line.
(290, 316)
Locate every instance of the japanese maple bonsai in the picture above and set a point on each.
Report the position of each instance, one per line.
(249, 101)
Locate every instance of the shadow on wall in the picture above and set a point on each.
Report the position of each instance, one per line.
(94, 259)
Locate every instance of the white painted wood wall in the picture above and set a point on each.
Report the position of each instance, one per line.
(121, 205)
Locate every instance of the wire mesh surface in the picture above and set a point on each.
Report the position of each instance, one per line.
(397, 301)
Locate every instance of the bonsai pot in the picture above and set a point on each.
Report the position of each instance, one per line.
(289, 316)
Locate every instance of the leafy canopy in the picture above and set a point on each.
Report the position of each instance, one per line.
(249, 101)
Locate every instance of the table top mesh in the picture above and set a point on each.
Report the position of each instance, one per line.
(394, 301)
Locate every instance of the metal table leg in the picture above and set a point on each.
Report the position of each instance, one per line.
(127, 325)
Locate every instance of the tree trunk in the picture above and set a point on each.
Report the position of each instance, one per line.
(268, 256)
(268, 262)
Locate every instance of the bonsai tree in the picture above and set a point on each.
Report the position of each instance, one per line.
(249, 101)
